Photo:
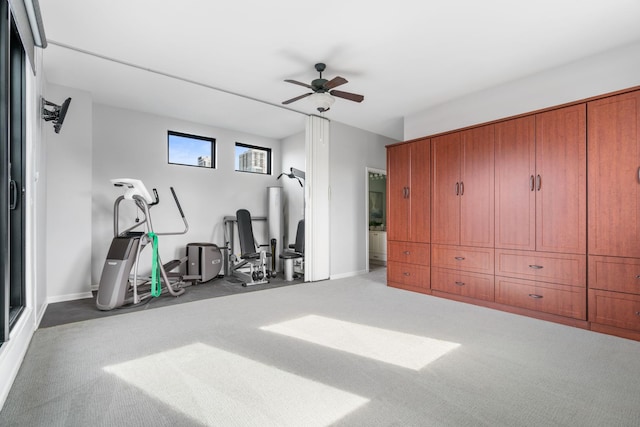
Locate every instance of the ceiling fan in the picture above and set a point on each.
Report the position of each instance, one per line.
(323, 92)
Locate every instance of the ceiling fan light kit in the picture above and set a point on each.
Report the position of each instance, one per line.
(322, 96)
(322, 101)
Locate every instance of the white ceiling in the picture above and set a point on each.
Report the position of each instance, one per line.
(183, 58)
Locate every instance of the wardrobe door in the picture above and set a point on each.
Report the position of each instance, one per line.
(515, 198)
(398, 169)
(561, 180)
(419, 192)
(477, 187)
(614, 176)
(446, 189)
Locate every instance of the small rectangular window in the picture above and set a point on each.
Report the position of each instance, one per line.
(254, 159)
(191, 150)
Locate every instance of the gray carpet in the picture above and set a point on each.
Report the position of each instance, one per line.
(264, 359)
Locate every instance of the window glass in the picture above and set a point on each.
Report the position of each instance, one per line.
(253, 159)
(191, 150)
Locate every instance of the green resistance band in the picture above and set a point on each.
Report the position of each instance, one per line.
(156, 288)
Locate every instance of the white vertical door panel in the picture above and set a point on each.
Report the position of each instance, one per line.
(317, 199)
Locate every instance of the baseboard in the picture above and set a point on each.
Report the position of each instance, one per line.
(40, 314)
(69, 297)
(344, 275)
(12, 354)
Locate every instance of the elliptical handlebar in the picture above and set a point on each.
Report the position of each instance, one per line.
(184, 219)
(156, 197)
(135, 190)
(176, 200)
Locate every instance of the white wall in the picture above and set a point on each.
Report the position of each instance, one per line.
(608, 72)
(68, 219)
(131, 144)
(352, 151)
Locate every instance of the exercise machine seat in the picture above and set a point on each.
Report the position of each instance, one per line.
(298, 248)
(248, 246)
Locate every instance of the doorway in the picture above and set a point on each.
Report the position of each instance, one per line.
(376, 218)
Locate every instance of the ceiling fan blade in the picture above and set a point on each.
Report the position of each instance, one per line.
(289, 101)
(335, 82)
(299, 83)
(347, 95)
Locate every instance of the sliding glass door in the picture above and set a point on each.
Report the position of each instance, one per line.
(12, 167)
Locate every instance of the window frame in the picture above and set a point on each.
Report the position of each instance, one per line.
(211, 140)
(267, 150)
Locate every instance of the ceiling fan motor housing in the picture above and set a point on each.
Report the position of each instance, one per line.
(318, 85)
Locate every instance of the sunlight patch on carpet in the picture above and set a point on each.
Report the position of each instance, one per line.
(397, 348)
(216, 387)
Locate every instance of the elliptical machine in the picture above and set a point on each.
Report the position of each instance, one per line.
(118, 286)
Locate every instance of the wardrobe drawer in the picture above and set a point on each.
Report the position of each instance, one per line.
(562, 300)
(614, 309)
(478, 260)
(473, 285)
(614, 274)
(409, 274)
(411, 253)
(566, 269)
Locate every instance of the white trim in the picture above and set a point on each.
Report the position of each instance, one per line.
(40, 315)
(69, 297)
(12, 353)
(345, 275)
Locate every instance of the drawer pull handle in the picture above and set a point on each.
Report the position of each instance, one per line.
(406, 273)
(407, 252)
(535, 296)
(459, 283)
(638, 313)
(638, 276)
(536, 267)
(459, 258)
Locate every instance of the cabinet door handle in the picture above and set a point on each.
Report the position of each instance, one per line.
(459, 283)
(538, 182)
(407, 252)
(459, 258)
(638, 174)
(637, 313)
(406, 273)
(536, 267)
(408, 192)
(457, 188)
(462, 188)
(531, 183)
(535, 296)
